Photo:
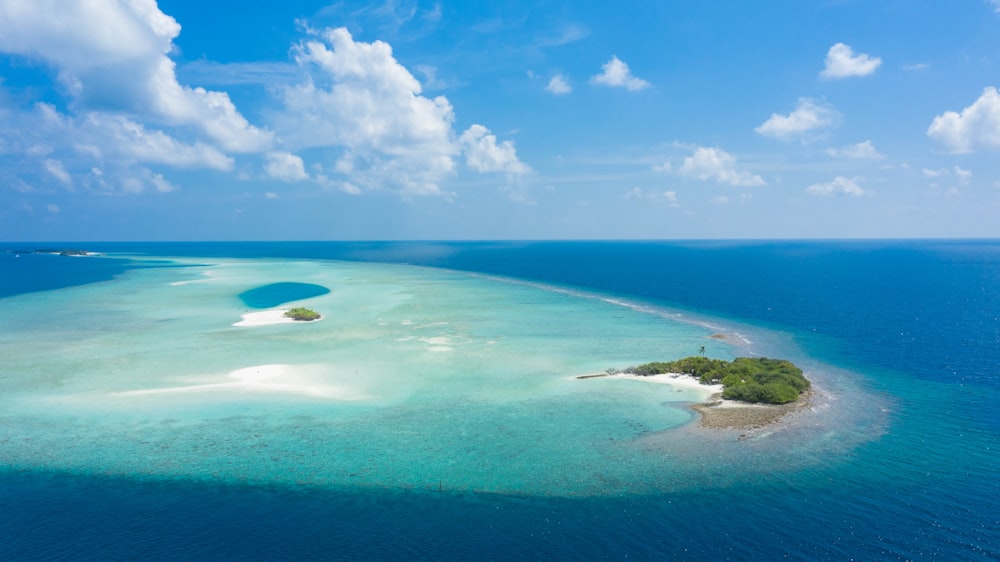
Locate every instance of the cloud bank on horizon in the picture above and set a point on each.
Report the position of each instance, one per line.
(524, 121)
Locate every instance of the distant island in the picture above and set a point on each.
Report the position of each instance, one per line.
(55, 251)
(302, 314)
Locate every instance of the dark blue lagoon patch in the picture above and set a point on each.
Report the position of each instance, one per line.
(276, 294)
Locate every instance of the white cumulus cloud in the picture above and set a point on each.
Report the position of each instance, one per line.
(558, 85)
(809, 115)
(483, 154)
(115, 134)
(841, 62)
(839, 186)
(860, 151)
(99, 151)
(124, 108)
(977, 127)
(369, 111)
(95, 141)
(616, 73)
(124, 114)
(715, 164)
(285, 166)
(364, 103)
(113, 56)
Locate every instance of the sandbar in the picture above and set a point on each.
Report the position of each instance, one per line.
(268, 318)
(267, 379)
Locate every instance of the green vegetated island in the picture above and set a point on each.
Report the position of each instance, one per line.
(759, 391)
(747, 379)
(300, 314)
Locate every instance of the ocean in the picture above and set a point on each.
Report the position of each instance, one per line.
(434, 413)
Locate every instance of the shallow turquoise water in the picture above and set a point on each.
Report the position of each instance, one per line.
(415, 378)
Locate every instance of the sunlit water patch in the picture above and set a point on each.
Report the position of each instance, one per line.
(415, 378)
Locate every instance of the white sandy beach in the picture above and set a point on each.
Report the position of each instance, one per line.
(677, 380)
(268, 318)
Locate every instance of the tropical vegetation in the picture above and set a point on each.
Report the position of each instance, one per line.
(750, 379)
(302, 314)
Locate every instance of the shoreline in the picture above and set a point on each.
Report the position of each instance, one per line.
(677, 380)
(717, 413)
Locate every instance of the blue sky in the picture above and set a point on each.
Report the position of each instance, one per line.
(182, 120)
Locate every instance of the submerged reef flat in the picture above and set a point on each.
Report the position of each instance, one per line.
(733, 414)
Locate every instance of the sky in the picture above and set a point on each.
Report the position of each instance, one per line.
(412, 119)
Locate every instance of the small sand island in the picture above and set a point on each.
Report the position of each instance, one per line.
(279, 316)
(755, 391)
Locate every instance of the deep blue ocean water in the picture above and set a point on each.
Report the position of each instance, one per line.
(917, 320)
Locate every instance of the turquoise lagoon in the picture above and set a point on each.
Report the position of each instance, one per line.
(415, 378)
